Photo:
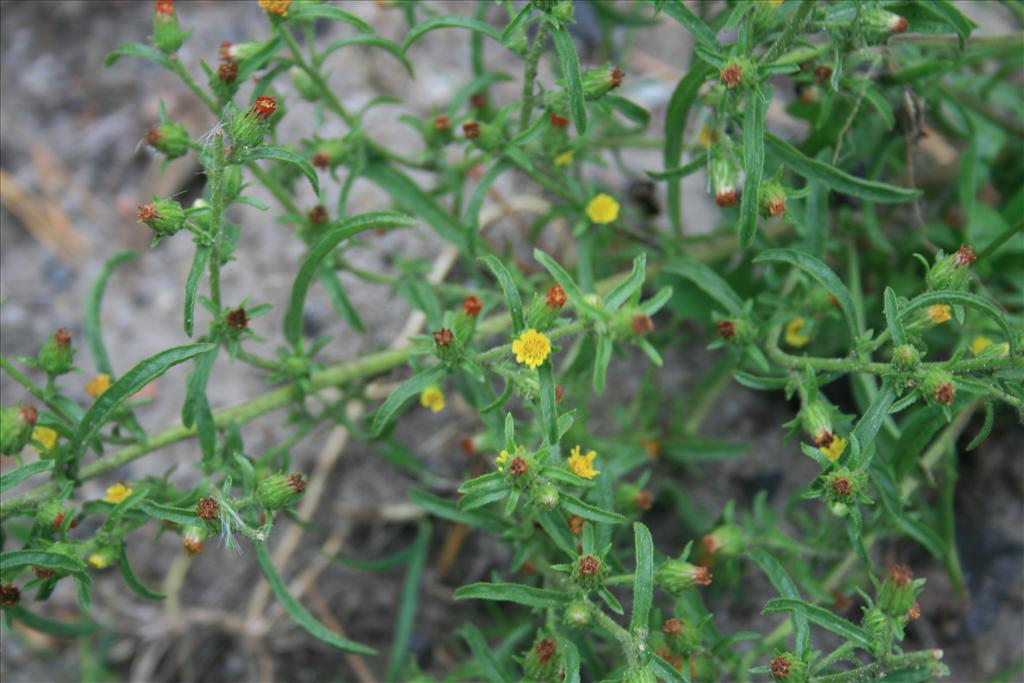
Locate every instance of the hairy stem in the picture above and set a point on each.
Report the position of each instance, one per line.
(530, 75)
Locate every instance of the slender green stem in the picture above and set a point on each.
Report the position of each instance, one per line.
(258, 361)
(280, 194)
(505, 349)
(38, 393)
(1001, 239)
(620, 634)
(179, 69)
(530, 75)
(216, 215)
(929, 659)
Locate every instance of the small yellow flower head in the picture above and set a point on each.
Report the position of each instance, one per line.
(45, 436)
(583, 465)
(603, 209)
(564, 159)
(278, 7)
(98, 560)
(532, 348)
(117, 493)
(97, 385)
(707, 136)
(501, 460)
(938, 314)
(834, 449)
(979, 344)
(433, 398)
(793, 333)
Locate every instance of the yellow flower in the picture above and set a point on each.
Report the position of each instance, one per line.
(938, 313)
(501, 460)
(98, 560)
(278, 7)
(433, 398)
(603, 209)
(834, 449)
(793, 336)
(583, 465)
(707, 136)
(564, 159)
(117, 493)
(531, 348)
(97, 385)
(979, 344)
(45, 436)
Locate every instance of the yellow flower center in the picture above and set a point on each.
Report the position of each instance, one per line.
(707, 136)
(433, 398)
(97, 385)
(564, 159)
(603, 209)
(501, 460)
(583, 465)
(278, 7)
(117, 493)
(793, 333)
(532, 348)
(45, 436)
(834, 449)
(939, 313)
(98, 561)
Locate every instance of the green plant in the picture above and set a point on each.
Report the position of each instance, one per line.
(921, 348)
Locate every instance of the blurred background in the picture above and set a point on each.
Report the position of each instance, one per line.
(73, 169)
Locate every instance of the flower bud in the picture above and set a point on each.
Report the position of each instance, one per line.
(280, 490)
(167, 33)
(52, 515)
(207, 508)
(724, 175)
(192, 540)
(726, 540)
(678, 576)
(577, 614)
(329, 154)
(471, 306)
(938, 387)
(681, 637)
(9, 595)
(738, 71)
(589, 572)
(248, 128)
(899, 591)
(544, 310)
(275, 8)
(447, 347)
(545, 496)
(599, 82)
(844, 486)
(630, 498)
(16, 423)
(878, 24)
(772, 200)
(103, 557)
(788, 667)
(483, 135)
(951, 271)
(906, 357)
(816, 418)
(302, 81)
(57, 356)
(982, 347)
(164, 217)
(171, 139)
(543, 662)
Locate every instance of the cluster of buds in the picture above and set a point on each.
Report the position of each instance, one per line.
(57, 356)
(248, 128)
(164, 217)
(167, 33)
(280, 490)
(678, 576)
(16, 424)
(724, 174)
(544, 661)
(951, 271)
(544, 309)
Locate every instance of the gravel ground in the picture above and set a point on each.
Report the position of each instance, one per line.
(71, 132)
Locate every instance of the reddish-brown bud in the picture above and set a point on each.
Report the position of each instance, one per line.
(146, 213)
(264, 107)
(642, 324)
(58, 520)
(617, 76)
(42, 573)
(731, 75)
(556, 297)
(471, 129)
(901, 25)
(559, 393)
(29, 414)
(9, 595)
(642, 500)
(192, 546)
(672, 627)
(726, 199)
(478, 100)
(576, 524)
(472, 306)
(225, 51)
(518, 466)
(545, 649)
(297, 482)
(901, 574)
(228, 72)
(841, 485)
(238, 318)
(944, 393)
(62, 336)
(442, 123)
(914, 613)
(589, 565)
(321, 160)
(207, 508)
(558, 121)
(443, 337)
(152, 136)
(317, 215)
(822, 73)
(726, 329)
(164, 7)
(467, 445)
(779, 668)
(964, 256)
(777, 207)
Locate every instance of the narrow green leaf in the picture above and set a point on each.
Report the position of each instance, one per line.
(631, 110)
(602, 357)
(425, 27)
(318, 252)
(42, 558)
(371, 41)
(489, 664)
(643, 579)
(701, 32)
(93, 324)
(667, 672)
(59, 629)
(922, 533)
(840, 181)
(520, 20)
(548, 411)
(401, 396)
(676, 115)
(134, 380)
(508, 288)
(963, 299)
(787, 589)
(822, 617)
(132, 580)
(447, 509)
(871, 421)
(196, 409)
(625, 289)
(407, 194)
(892, 318)
(680, 172)
(753, 165)
(570, 61)
(15, 477)
(305, 10)
(407, 604)
(822, 274)
(572, 660)
(476, 200)
(331, 283)
(195, 275)
(139, 50)
(168, 513)
(388, 562)
(946, 11)
(297, 612)
(513, 592)
(573, 292)
(575, 506)
(282, 154)
(709, 281)
(986, 427)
